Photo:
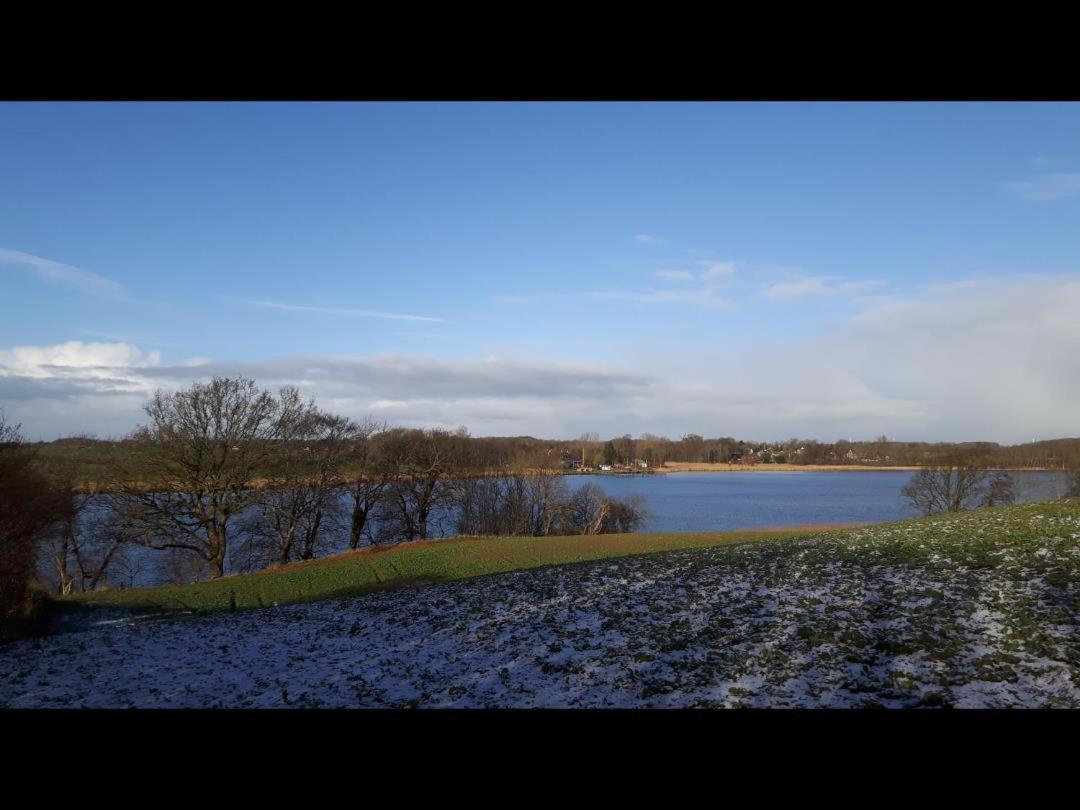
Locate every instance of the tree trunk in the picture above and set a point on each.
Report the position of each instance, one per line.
(424, 509)
(311, 536)
(356, 530)
(285, 548)
(216, 558)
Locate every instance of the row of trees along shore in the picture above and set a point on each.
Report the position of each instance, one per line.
(225, 466)
(225, 470)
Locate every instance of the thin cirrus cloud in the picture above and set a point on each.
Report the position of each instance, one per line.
(698, 296)
(357, 313)
(817, 286)
(646, 239)
(703, 294)
(65, 275)
(1047, 187)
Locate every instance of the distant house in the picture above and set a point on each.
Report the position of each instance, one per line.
(605, 467)
(642, 463)
(734, 458)
(833, 456)
(750, 459)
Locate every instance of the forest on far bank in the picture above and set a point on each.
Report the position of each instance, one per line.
(86, 460)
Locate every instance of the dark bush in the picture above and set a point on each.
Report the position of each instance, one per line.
(28, 506)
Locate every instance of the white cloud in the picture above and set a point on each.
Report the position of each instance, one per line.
(717, 269)
(75, 387)
(999, 361)
(360, 313)
(675, 275)
(73, 359)
(1047, 187)
(99, 388)
(65, 274)
(645, 239)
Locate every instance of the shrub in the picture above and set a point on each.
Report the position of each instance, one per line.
(28, 506)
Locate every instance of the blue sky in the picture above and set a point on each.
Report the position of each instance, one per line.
(761, 270)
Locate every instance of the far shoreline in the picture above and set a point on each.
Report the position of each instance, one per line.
(724, 467)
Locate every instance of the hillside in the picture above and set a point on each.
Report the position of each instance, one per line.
(978, 609)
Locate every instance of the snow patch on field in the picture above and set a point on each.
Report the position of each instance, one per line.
(897, 616)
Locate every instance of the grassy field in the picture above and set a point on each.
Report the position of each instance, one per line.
(408, 564)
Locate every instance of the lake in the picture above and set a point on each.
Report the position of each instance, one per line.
(700, 502)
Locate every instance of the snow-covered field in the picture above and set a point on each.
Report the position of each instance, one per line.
(973, 611)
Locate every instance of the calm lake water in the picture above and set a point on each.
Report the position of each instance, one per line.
(679, 502)
(690, 502)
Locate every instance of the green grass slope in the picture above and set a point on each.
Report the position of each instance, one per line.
(407, 564)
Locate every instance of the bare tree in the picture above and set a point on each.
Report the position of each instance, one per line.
(547, 502)
(587, 511)
(512, 505)
(960, 483)
(420, 461)
(588, 442)
(626, 514)
(481, 506)
(89, 536)
(300, 500)
(654, 449)
(201, 452)
(999, 490)
(373, 474)
(1074, 485)
(590, 511)
(624, 449)
(87, 543)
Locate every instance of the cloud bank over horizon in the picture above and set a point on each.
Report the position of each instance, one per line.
(992, 359)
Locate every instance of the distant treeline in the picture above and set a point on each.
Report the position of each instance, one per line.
(85, 460)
